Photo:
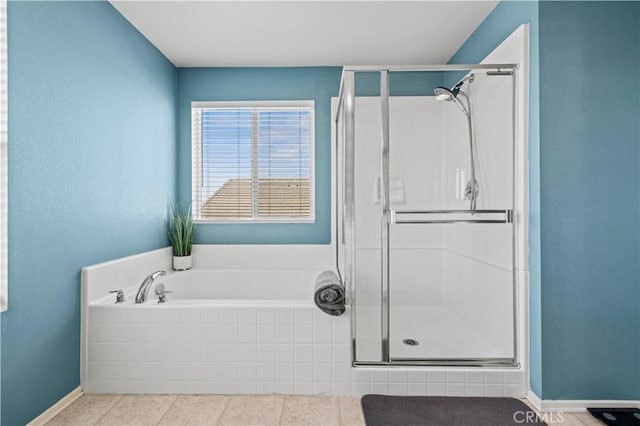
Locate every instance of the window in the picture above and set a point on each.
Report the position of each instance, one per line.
(253, 161)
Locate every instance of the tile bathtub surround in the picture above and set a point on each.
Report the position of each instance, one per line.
(121, 274)
(207, 349)
(124, 273)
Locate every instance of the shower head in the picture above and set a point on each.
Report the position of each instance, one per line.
(445, 94)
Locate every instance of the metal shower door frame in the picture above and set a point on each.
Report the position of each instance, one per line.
(346, 105)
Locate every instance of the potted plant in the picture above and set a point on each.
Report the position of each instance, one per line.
(181, 235)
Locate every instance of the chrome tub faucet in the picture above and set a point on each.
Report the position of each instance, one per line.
(143, 291)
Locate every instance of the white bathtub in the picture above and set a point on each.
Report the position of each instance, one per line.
(235, 331)
(257, 287)
(221, 331)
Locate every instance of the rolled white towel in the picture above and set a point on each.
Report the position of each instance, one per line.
(329, 293)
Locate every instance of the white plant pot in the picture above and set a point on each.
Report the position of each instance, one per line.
(182, 263)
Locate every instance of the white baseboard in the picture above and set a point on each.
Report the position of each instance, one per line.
(534, 400)
(57, 408)
(577, 405)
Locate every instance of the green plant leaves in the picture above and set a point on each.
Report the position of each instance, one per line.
(180, 230)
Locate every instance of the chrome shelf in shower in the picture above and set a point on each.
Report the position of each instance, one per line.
(451, 216)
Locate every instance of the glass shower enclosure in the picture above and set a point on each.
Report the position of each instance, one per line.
(425, 212)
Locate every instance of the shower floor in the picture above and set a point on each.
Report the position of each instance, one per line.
(440, 335)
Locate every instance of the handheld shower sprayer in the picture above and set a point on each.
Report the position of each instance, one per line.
(451, 95)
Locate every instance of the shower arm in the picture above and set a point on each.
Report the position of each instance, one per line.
(472, 181)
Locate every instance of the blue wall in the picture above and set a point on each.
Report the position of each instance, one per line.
(589, 184)
(584, 192)
(240, 84)
(400, 83)
(505, 18)
(91, 169)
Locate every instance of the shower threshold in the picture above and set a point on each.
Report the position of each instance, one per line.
(468, 363)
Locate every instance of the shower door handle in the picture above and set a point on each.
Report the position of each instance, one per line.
(451, 216)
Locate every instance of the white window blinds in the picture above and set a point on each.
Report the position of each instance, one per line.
(253, 161)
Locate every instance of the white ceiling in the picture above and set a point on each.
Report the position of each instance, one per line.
(305, 33)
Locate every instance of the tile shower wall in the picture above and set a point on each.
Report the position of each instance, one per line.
(248, 349)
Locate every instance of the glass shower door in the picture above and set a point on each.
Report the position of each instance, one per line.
(429, 281)
(451, 275)
(358, 232)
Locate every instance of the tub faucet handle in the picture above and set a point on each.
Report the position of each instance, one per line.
(162, 297)
(119, 296)
(162, 293)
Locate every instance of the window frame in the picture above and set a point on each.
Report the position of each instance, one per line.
(196, 160)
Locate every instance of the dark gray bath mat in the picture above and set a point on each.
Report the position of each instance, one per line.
(617, 416)
(381, 410)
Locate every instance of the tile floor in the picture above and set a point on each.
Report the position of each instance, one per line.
(567, 419)
(231, 410)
